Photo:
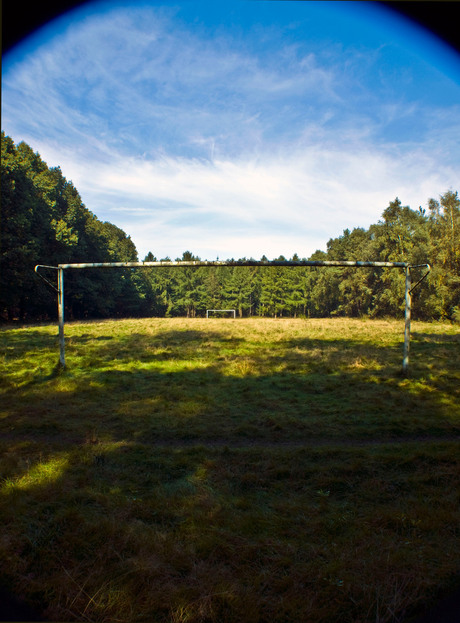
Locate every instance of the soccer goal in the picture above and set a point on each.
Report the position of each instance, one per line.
(196, 263)
(221, 311)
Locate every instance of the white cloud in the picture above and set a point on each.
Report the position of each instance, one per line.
(287, 204)
(228, 148)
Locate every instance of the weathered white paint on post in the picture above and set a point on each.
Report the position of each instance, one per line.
(197, 263)
(407, 322)
(61, 317)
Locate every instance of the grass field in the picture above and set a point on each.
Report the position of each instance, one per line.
(230, 470)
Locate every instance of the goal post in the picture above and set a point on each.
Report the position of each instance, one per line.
(232, 311)
(409, 288)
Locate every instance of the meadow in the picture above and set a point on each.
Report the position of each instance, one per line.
(220, 470)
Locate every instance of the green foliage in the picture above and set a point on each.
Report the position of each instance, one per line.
(44, 221)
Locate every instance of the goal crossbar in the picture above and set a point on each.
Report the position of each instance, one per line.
(197, 263)
(179, 263)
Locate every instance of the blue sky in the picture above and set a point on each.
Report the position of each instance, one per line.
(237, 129)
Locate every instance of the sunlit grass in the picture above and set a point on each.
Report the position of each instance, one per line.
(40, 474)
(220, 470)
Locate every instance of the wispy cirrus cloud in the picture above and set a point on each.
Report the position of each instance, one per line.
(288, 203)
(236, 142)
(136, 72)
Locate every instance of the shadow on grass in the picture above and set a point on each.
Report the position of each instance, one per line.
(205, 386)
(171, 488)
(26, 339)
(436, 338)
(133, 532)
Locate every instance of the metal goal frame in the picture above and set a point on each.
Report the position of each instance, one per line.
(409, 288)
(221, 310)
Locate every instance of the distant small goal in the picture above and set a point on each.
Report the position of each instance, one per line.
(221, 311)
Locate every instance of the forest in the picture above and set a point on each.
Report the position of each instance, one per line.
(43, 220)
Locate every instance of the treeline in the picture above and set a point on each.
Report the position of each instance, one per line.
(43, 220)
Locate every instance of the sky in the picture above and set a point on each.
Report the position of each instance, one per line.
(240, 128)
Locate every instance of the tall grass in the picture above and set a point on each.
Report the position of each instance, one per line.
(221, 470)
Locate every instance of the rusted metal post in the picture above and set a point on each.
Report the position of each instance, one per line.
(61, 317)
(405, 367)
